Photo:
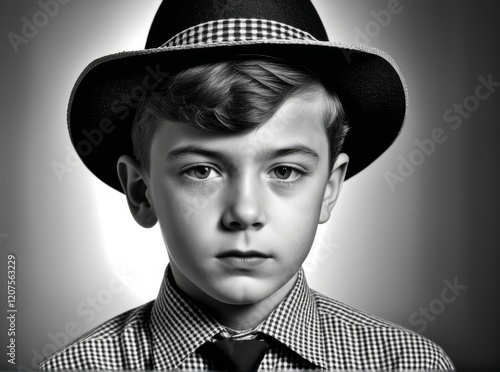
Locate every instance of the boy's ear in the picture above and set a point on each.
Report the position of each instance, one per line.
(333, 187)
(134, 181)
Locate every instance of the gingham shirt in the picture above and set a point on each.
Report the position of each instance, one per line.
(313, 332)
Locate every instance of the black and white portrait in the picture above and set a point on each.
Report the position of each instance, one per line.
(269, 184)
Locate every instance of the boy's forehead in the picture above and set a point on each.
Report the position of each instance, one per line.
(298, 124)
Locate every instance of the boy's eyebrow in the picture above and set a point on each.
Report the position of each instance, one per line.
(194, 150)
(296, 149)
(188, 150)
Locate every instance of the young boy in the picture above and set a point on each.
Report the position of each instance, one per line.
(235, 141)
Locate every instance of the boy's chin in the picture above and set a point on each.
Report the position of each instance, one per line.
(246, 291)
(244, 294)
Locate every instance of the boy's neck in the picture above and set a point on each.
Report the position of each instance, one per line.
(240, 317)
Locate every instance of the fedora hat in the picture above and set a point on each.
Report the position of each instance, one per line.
(188, 32)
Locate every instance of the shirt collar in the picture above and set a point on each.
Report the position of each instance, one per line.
(296, 323)
(179, 327)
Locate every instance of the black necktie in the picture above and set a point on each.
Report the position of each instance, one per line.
(238, 356)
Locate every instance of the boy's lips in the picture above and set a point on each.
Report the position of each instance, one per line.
(243, 260)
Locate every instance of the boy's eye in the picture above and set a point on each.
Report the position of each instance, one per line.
(202, 172)
(283, 173)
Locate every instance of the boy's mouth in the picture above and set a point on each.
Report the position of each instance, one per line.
(243, 259)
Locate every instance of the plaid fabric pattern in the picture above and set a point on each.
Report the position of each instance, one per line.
(313, 331)
(240, 29)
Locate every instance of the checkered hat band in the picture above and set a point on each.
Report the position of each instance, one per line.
(240, 29)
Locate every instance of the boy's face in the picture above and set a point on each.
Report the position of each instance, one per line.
(239, 212)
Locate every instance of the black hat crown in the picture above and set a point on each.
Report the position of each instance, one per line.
(174, 17)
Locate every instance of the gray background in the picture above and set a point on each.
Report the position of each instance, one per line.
(387, 252)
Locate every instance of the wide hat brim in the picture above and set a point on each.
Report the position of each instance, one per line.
(103, 102)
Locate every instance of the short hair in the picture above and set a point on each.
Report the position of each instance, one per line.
(233, 96)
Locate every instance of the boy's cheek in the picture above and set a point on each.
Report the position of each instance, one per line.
(191, 206)
(298, 210)
(175, 200)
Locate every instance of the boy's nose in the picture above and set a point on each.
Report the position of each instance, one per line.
(245, 206)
